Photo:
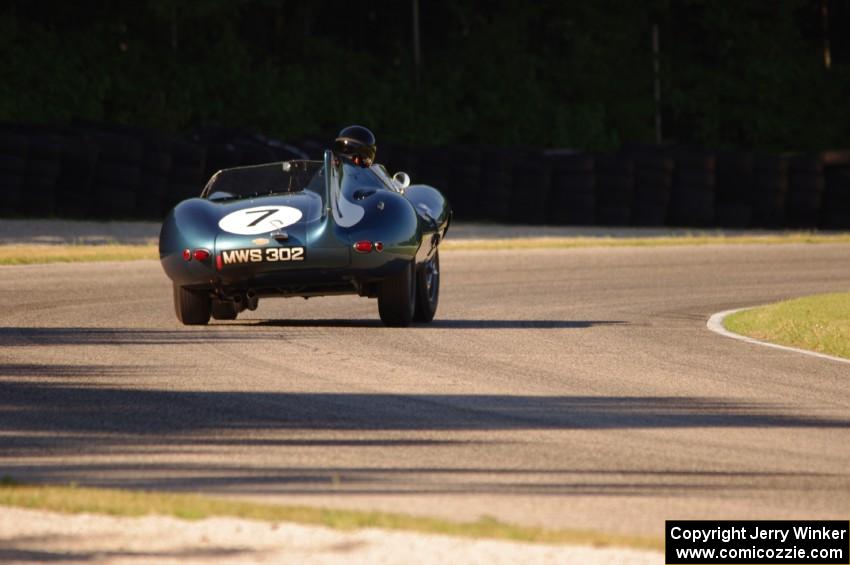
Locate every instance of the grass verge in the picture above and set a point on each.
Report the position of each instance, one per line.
(24, 254)
(819, 323)
(661, 241)
(74, 253)
(195, 507)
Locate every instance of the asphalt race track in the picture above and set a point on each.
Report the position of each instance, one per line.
(564, 388)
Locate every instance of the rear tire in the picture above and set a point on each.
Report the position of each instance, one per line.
(223, 310)
(427, 290)
(397, 298)
(191, 306)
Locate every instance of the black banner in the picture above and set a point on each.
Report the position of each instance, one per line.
(695, 542)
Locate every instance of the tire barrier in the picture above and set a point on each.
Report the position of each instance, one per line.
(805, 192)
(770, 191)
(44, 157)
(157, 160)
(835, 205)
(615, 189)
(496, 184)
(572, 192)
(692, 200)
(653, 186)
(434, 167)
(464, 189)
(530, 188)
(734, 183)
(115, 172)
(74, 187)
(836, 208)
(117, 177)
(186, 177)
(13, 170)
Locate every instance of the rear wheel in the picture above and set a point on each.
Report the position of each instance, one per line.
(397, 298)
(223, 309)
(191, 306)
(427, 290)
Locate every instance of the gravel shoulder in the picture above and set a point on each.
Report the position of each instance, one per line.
(35, 535)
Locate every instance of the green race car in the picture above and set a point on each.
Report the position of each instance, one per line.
(307, 228)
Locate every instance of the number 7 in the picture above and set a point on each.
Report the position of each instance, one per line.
(261, 218)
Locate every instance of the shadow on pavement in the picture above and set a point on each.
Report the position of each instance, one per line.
(117, 336)
(181, 440)
(440, 324)
(280, 479)
(62, 407)
(22, 550)
(239, 331)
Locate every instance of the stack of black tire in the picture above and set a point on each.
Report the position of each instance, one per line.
(187, 177)
(75, 185)
(835, 210)
(228, 147)
(386, 157)
(694, 182)
(89, 171)
(572, 193)
(530, 187)
(286, 151)
(615, 189)
(496, 178)
(222, 155)
(314, 148)
(44, 163)
(13, 169)
(400, 158)
(254, 152)
(117, 177)
(115, 172)
(770, 191)
(735, 181)
(466, 182)
(654, 170)
(805, 192)
(155, 170)
(434, 167)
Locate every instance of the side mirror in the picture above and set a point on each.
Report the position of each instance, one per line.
(401, 180)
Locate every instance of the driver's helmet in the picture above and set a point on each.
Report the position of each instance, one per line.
(356, 143)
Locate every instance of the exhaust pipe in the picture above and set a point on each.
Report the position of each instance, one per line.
(251, 299)
(238, 302)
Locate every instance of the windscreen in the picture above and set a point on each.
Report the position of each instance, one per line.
(270, 178)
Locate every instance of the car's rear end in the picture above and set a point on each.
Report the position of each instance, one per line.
(300, 228)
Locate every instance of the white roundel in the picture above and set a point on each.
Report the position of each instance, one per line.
(260, 219)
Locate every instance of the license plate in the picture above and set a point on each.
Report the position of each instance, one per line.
(262, 255)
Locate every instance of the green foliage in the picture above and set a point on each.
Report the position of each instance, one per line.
(576, 74)
(750, 78)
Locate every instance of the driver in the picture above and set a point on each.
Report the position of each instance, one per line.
(357, 144)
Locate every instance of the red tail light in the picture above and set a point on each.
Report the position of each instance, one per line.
(363, 246)
(379, 246)
(218, 261)
(187, 254)
(201, 254)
